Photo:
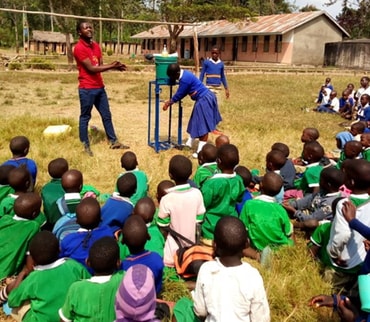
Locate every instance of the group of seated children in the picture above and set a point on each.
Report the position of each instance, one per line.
(97, 258)
(352, 105)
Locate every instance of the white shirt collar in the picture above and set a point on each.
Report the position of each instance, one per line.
(15, 217)
(72, 195)
(100, 279)
(266, 198)
(181, 73)
(57, 263)
(223, 175)
(178, 187)
(116, 195)
(312, 164)
(208, 164)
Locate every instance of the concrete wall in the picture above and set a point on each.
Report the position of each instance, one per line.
(309, 41)
(348, 55)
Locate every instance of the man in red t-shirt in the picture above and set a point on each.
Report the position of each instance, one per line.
(91, 89)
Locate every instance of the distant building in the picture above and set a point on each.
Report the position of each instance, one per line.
(293, 38)
(48, 42)
(348, 54)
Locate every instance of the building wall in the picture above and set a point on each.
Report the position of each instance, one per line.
(348, 55)
(310, 38)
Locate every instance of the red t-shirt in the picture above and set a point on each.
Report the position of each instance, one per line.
(91, 51)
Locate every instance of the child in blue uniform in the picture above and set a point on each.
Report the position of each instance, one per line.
(135, 235)
(214, 70)
(119, 206)
(77, 244)
(205, 115)
(20, 146)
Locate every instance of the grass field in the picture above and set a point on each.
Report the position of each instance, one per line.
(262, 109)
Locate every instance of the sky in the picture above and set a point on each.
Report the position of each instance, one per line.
(333, 10)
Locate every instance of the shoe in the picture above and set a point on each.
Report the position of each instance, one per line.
(217, 132)
(118, 145)
(88, 151)
(182, 147)
(195, 155)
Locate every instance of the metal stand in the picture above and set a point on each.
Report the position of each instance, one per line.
(157, 144)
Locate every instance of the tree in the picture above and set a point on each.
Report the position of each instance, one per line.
(355, 18)
(308, 8)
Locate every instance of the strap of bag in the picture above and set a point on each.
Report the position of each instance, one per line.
(177, 236)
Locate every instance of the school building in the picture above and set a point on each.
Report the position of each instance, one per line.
(48, 42)
(293, 38)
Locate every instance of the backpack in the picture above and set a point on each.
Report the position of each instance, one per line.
(189, 259)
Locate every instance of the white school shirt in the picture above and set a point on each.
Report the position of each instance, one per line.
(345, 242)
(230, 293)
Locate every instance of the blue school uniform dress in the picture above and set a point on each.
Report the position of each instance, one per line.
(205, 115)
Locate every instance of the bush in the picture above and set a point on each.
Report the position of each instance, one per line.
(40, 63)
(15, 65)
(109, 52)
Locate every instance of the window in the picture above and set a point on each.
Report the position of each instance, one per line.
(214, 42)
(222, 44)
(255, 44)
(278, 43)
(266, 44)
(199, 43)
(152, 44)
(143, 45)
(206, 44)
(244, 43)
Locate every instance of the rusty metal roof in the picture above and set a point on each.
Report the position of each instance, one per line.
(273, 24)
(50, 36)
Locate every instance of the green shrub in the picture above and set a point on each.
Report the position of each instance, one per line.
(109, 52)
(40, 63)
(15, 65)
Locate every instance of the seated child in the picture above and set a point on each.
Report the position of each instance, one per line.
(5, 188)
(317, 206)
(275, 160)
(207, 164)
(77, 244)
(313, 152)
(20, 146)
(135, 235)
(327, 84)
(181, 208)
(136, 296)
(221, 140)
(72, 181)
(267, 221)
(309, 134)
(352, 150)
(320, 239)
(362, 108)
(324, 95)
(365, 142)
(247, 178)
(119, 206)
(332, 106)
(229, 280)
(93, 299)
(346, 104)
(130, 164)
(53, 190)
(222, 192)
(19, 181)
(47, 282)
(162, 189)
(17, 231)
(345, 247)
(287, 172)
(145, 208)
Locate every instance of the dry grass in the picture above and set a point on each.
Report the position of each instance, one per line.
(262, 109)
